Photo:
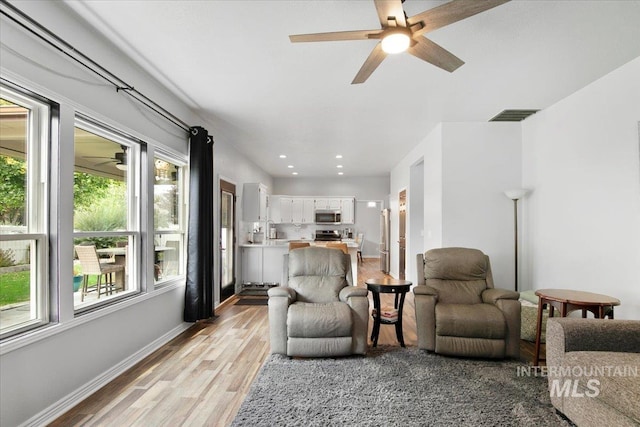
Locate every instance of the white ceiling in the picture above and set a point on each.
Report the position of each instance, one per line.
(232, 61)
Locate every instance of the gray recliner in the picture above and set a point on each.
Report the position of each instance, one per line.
(458, 310)
(318, 312)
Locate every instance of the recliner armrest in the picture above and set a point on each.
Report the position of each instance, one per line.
(283, 291)
(491, 296)
(352, 291)
(425, 290)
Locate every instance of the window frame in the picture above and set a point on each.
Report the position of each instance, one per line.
(135, 147)
(182, 166)
(41, 119)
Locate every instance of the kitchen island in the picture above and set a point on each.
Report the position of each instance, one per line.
(263, 263)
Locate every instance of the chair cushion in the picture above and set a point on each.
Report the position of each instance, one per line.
(308, 320)
(470, 321)
(318, 274)
(455, 264)
(458, 292)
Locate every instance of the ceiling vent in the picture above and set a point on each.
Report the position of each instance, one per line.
(513, 115)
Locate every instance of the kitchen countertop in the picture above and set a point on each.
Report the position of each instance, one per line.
(279, 243)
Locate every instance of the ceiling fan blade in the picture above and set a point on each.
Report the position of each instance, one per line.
(335, 36)
(387, 8)
(449, 13)
(376, 56)
(435, 54)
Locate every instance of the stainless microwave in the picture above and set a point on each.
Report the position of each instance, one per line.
(328, 216)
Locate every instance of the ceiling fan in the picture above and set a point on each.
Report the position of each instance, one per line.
(120, 159)
(401, 33)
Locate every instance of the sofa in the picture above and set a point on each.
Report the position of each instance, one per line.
(593, 368)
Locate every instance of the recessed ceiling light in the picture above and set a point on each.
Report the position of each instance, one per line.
(340, 173)
(294, 173)
(339, 166)
(283, 156)
(290, 166)
(339, 156)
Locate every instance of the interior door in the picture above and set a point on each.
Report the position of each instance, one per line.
(227, 239)
(402, 212)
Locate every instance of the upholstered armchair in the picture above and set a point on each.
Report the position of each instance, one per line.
(458, 310)
(317, 312)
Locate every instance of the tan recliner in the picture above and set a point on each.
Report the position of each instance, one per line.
(458, 310)
(318, 312)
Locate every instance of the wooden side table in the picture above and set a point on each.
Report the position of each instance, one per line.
(567, 301)
(387, 286)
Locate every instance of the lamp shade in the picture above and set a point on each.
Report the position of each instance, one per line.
(516, 194)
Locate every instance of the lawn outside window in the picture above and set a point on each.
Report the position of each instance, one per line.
(25, 122)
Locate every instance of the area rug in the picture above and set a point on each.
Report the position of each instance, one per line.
(394, 386)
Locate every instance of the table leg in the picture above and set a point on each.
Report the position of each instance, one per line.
(376, 319)
(541, 304)
(399, 334)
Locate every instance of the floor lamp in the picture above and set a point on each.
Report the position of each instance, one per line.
(516, 195)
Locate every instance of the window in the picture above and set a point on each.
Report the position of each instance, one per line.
(24, 140)
(106, 215)
(168, 218)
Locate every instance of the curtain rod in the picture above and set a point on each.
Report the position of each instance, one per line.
(67, 49)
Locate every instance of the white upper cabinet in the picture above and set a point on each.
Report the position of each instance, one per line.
(308, 211)
(286, 210)
(348, 213)
(301, 210)
(254, 202)
(332, 204)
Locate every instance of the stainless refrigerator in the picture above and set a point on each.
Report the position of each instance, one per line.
(385, 224)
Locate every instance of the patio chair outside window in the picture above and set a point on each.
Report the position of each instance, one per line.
(91, 265)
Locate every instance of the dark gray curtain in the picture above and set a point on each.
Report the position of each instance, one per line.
(198, 301)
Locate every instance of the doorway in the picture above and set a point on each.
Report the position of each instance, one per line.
(227, 239)
(402, 231)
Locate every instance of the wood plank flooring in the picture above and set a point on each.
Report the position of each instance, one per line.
(201, 377)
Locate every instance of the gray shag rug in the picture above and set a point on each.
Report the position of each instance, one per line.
(394, 386)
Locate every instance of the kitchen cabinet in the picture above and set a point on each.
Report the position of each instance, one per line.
(332, 204)
(273, 264)
(286, 210)
(263, 265)
(302, 211)
(251, 265)
(348, 211)
(292, 210)
(254, 202)
(275, 214)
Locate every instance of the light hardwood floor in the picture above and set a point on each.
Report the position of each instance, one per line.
(201, 377)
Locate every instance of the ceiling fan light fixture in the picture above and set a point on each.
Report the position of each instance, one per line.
(396, 42)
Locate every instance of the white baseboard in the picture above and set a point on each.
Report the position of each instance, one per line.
(63, 405)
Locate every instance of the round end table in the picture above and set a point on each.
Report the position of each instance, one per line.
(387, 286)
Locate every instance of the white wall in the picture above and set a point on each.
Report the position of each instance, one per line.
(467, 166)
(237, 169)
(480, 161)
(583, 217)
(51, 369)
(367, 220)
